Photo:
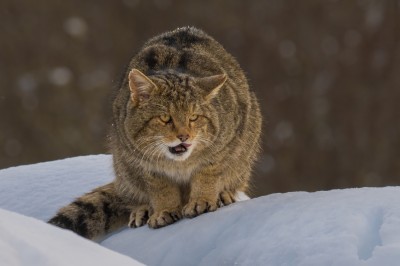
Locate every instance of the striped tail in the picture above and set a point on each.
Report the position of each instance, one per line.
(94, 214)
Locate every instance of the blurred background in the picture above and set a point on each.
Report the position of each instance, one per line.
(326, 74)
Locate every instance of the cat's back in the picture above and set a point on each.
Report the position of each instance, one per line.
(189, 50)
(182, 38)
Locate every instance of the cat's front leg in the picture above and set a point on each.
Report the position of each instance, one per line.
(164, 217)
(204, 195)
(226, 197)
(165, 201)
(201, 204)
(140, 215)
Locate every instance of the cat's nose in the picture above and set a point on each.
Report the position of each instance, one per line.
(183, 137)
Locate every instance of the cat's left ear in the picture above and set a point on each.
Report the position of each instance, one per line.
(140, 86)
(212, 85)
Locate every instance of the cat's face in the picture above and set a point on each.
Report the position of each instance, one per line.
(178, 131)
(176, 114)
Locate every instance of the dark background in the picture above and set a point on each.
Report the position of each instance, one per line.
(326, 74)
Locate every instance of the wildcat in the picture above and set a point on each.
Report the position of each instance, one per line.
(185, 135)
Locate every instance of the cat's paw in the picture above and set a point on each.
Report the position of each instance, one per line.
(226, 198)
(163, 218)
(139, 216)
(199, 206)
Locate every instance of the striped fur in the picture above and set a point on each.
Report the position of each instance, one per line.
(94, 214)
(182, 93)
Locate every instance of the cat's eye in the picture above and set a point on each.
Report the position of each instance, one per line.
(193, 117)
(165, 118)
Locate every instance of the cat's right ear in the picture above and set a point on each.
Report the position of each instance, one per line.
(212, 85)
(140, 86)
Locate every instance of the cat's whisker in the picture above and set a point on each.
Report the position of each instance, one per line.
(160, 152)
(156, 148)
(212, 147)
(151, 149)
(140, 143)
(143, 144)
(205, 141)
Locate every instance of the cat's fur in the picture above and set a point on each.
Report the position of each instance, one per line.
(185, 135)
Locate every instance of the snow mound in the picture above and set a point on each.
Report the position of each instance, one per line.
(342, 227)
(27, 241)
(338, 227)
(38, 190)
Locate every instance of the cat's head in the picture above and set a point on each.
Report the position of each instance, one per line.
(174, 115)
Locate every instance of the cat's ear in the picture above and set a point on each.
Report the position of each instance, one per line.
(140, 85)
(212, 85)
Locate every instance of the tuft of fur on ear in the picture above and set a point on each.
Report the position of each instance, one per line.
(140, 86)
(212, 85)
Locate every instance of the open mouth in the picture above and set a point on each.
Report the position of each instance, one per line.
(179, 149)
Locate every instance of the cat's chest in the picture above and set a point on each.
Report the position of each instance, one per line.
(178, 173)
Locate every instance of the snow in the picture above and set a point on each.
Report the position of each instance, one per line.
(28, 241)
(342, 227)
(38, 190)
(339, 227)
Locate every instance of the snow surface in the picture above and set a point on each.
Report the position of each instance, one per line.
(38, 190)
(338, 227)
(28, 241)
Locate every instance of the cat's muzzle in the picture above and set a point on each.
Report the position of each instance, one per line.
(179, 149)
